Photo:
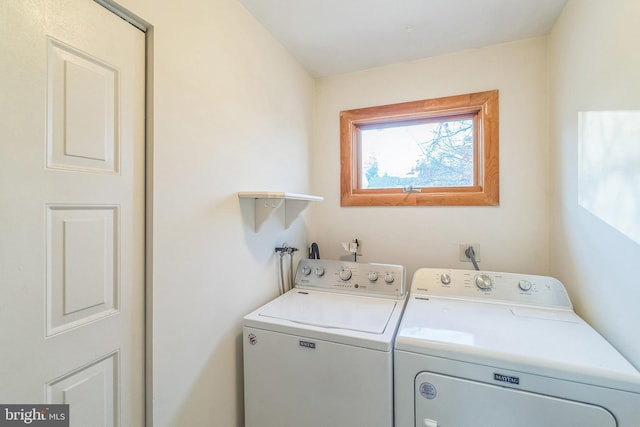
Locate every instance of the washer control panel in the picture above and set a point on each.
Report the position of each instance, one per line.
(353, 277)
(490, 285)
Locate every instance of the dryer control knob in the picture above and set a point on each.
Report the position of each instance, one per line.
(344, 274)
(388, 278)
(525, 285)
(373, 276)
(445, 279)
(484, 282)
(306, 270)
(319, 271)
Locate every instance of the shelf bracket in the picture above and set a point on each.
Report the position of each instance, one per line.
(265, 208)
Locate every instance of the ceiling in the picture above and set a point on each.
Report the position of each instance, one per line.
(330, 37)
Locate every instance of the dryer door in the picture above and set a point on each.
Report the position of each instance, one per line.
(442, 400)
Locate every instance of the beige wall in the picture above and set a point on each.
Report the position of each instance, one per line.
(594, 66)
(512, 236)
(231, 113)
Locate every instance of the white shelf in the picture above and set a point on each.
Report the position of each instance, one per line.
(279, 195)
(268, 202)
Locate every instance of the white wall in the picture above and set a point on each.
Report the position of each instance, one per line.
(594, 66)
(512, 236)
(232, 112)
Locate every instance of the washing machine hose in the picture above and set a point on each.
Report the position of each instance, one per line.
(288, 250)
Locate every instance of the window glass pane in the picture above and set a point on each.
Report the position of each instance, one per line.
(433, 154)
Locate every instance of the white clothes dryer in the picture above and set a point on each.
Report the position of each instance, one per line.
(480, 349)
(321, 355)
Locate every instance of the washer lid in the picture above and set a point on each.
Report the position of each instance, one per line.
(336, 311)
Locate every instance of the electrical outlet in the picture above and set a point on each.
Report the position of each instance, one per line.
(352, 247)
(355, 248)
(359, 249)
(463, 248)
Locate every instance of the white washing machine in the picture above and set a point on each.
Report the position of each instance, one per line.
(480, 349)
(321, 355)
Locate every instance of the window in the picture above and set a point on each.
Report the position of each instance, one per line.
(439, 152)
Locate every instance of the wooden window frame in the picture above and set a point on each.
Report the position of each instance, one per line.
(482, 106)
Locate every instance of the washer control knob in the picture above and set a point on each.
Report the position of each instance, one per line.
(484, 282)
(373, 276)
(306, 270)
(445, 279)
(388, 278)
(344, 273)
(319, 271)
(525, 285)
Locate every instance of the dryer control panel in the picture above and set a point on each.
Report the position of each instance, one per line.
(384, 280)
(489, 286)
